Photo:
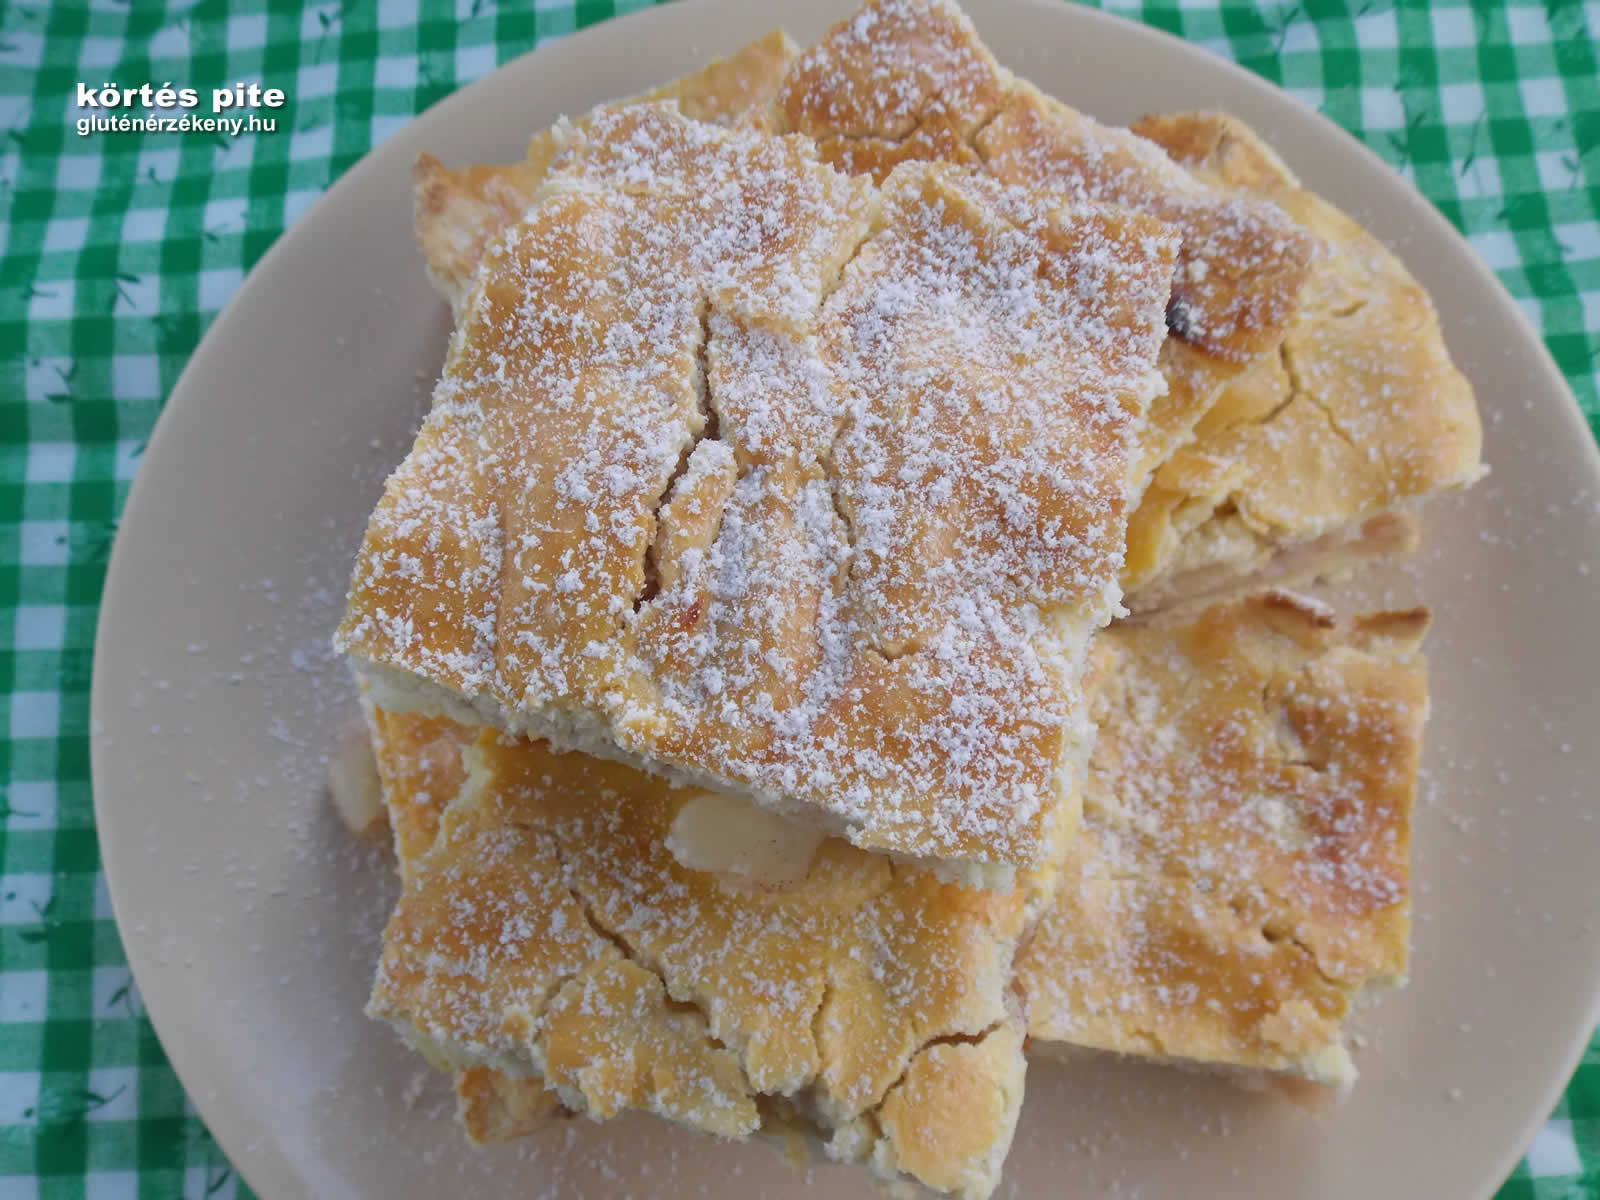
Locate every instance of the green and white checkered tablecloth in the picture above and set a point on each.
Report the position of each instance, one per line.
(119, 249)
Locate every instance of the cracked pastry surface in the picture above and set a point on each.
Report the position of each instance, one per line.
(909, 80)
(1242, 873)
(547, 932)
(797, 487)
(1327, 443)
(459, 211)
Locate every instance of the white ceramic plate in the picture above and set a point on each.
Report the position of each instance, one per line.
(252, 919)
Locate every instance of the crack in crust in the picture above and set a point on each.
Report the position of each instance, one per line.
(685, 524)
(1361, 415)
(1242, 262)
(702, 426)
(788, 613)
(1305, 917)
(1241, 876)
(681, 1000)
(547, 932)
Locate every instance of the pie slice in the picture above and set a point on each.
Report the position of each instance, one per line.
(909, 80)
(460, 211)
(549, 947)
(1315, 459)
(779, 483)
(1241, 878)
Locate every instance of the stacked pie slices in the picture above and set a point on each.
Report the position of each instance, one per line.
(740, 639)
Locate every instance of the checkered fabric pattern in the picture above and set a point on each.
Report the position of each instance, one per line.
(120, 248)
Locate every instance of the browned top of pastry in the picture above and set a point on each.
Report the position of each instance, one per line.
(549, 928)
(768, 478)
(1360, 412)
(1242, 872)
(907, 80)
(459, 211)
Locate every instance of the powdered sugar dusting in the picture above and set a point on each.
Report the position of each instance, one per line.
(909, 78)
(867, 606)
(1243, 261)
(1242, 873)
(549, 929)
(890, 69)
(1359, 414)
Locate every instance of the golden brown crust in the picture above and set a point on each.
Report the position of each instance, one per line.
(726, 88)
(772, 550)
(1393, 634)
(889, 70)
(496, 1108)
(904, 80)
(1358, 413)
(550, 930)
(1242, 265)
(419, 762)
(1240, 880)
(1242, 870)
(949, 1121)
(460, 211)
(419, 766)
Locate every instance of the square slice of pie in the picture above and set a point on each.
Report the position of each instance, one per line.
(1311, 403)
(1241, 878)
(781, 483)
(549, 947)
